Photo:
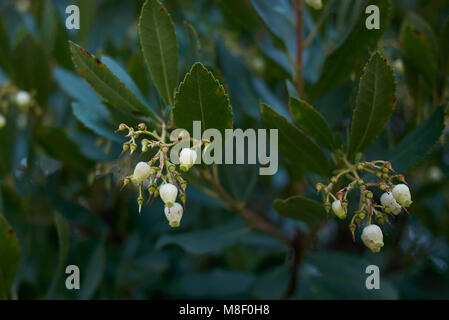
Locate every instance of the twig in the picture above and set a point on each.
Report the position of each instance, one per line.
(299, 47)
(254, 220)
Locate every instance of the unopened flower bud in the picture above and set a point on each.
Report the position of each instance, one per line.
(402, 195)
(389, 202)
(168, 193)
(352, 227)
(140, 203)
(141, 126)
(174, 214)
(187, 158)
(338, 209)
(121, 127)
(141, 172)
(125, 146)
(133, 147)
(319, 186)
(372, 237)
(23, 99)
(369, 194)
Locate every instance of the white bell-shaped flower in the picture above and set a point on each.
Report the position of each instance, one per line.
(388, 201)
(174, 214)
(338, 209)
(141, 172)
(316, 4)
(2, 121)
(402, 195)
(23, 99)
(187, 158)
(168, 193)
(372, 237)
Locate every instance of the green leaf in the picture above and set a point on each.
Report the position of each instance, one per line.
(215, 283)
(204, 241)
(58, 146)
(312, 122)
(63, 230)
(239, 180)
(106, 83)
(48, 27)
(348, 57)
(89, 110)
(31, 69)
(272, 284)
(444, 45)
(96, 118)
(374, 104)
(201, 97)
(422, 26)
(419, 57)
(120, 73)
(137, 70)
(160, 47)
(301, 209)
(278, 18)
(9, 256)
(94, 272)
(300, 150)
(76, 87)
(4, 48)
(340, 275)
(416, 145)
(139, 262)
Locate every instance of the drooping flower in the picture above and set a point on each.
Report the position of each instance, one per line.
(187, 158)
(23, 99)
(2, 121)
(402, 195)
(372, 237)
(141, 172)
(316, 4)
(338, 209)
(174, 214)
(399, 66)
(388, 201)
(168, 193)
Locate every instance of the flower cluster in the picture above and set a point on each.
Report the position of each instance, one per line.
(395, 197)
(10, 95)
(159, 176)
